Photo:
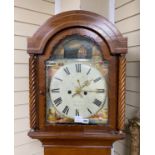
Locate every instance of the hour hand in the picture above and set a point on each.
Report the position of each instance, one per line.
(77, 94)
(86, 83)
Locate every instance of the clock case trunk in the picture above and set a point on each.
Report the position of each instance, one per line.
(62, 138)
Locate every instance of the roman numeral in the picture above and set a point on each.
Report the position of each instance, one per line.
(97, 102)
(100, 90)
(88, 71)
(97, 79)
(58, 79)
(78, 68)
(89, 111)
(66, 109)
(77, 112)
(58, 101)
(66, 71)
(57, 90)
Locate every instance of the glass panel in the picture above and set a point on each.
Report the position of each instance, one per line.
(76, 82)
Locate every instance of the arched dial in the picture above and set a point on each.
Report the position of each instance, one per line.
(78, 89)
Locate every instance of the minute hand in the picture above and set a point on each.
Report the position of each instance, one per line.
(96, 91)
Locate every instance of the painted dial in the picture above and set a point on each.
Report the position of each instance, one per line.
(78, 89)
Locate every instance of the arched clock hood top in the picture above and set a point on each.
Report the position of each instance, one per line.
(78, 18)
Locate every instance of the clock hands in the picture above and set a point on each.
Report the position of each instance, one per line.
(77, 94)
(85, 83)
(79, 89)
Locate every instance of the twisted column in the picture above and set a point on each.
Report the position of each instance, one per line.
(33, 91)
(121, 92)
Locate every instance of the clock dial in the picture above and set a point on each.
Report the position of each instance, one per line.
(76, 82)
(78, 89)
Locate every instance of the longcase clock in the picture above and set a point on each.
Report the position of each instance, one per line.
(77, 84)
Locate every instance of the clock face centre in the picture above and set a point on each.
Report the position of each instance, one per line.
(78, 90)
